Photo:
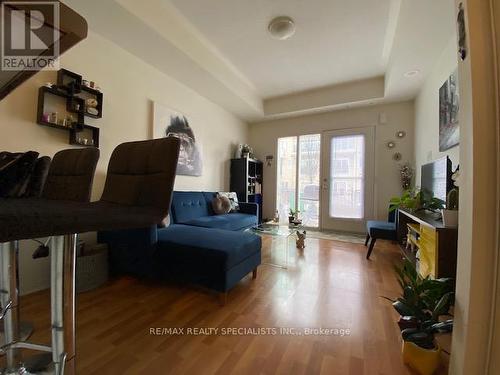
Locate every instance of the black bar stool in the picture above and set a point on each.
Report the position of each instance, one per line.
(137, 194)
(69, 178)
(33, 190)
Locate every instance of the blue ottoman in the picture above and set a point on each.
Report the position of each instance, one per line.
(215, 258)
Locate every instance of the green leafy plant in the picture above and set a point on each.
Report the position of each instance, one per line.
(428, 202)
(407, 200)
(421, 295)
(416, 200)
(425, 300)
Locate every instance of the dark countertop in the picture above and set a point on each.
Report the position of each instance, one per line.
(32, 218)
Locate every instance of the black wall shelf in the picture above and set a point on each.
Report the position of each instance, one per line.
(78, 137)
(70, 88)
(69, 80)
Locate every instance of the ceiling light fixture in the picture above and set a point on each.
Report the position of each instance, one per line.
(281, 27)
(412, 73)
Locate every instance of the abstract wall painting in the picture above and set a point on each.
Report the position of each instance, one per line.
(170, 123)
(449, 130)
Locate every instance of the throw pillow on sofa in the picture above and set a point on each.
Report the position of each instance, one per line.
(233, 198)
(221, 204)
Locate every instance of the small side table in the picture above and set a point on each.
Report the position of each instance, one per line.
(277, 230)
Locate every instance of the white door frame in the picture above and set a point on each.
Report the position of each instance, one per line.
(476, 332)
(348, 225)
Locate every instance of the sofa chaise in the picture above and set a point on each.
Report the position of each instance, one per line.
(198, 246)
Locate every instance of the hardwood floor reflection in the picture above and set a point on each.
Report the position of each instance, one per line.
(331, 285)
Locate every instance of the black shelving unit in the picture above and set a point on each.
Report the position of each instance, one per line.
(69, 88)
(246, 181)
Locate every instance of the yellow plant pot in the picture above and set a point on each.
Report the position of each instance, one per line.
(424, 361)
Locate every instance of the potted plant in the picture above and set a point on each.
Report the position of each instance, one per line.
(408, 200)
(450, 213)
(421, 304)
(416, 200)
(430, 203)
(246, 151)
(293, 215)
(420, 350)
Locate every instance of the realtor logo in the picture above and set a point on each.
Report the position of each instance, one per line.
(29, 35)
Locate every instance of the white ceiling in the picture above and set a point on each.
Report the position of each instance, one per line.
(343, 53)
(335, 41)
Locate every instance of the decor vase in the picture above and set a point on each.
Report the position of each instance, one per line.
(423, 361)
(450, 218)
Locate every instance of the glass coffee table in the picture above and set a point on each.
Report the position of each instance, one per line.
(278, 231)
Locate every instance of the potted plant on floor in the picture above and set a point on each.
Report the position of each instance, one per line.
(422, 303)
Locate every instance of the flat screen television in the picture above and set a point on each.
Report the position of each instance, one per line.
(436, 178)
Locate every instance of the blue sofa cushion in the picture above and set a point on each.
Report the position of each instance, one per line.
(231, 221)
(188, 205)
(238, 221)
(215, 221)
(209, 197)
(381, 229)
(207, 246)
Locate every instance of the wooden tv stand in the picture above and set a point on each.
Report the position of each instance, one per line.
(437, 245)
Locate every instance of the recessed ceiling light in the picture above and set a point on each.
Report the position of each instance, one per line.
(281, 27)
(412, 73)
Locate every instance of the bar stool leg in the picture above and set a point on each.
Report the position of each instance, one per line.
(63, 262)
(9, 299)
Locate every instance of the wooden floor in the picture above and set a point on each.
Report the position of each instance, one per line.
(331, 285)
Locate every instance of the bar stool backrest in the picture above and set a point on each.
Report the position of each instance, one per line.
(71, 174)
(142, 174)
(38, 177)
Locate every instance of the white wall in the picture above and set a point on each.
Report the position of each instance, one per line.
(400, 116)
(474, 344)
(130, 86)
(427, 111)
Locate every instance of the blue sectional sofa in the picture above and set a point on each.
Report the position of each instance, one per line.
(195, 209)
(197, 247)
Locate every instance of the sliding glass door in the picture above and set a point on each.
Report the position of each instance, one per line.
(298, 177)
(308, 179)
(287, 176)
